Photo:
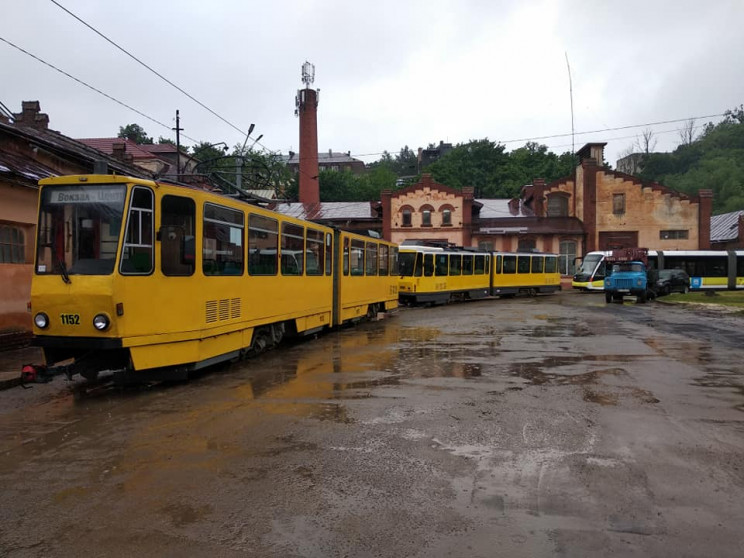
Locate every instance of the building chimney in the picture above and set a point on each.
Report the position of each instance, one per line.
(31, 116)
(307, 109)
(704, 213)
(538, 197)
(119, 148)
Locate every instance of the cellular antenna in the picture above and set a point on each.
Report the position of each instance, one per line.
(308, 73)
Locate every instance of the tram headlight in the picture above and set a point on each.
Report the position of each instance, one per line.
(41, 320)
(101, 322)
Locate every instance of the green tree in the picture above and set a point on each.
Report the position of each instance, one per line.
(134, 132)
(482, 164)
(714, 160)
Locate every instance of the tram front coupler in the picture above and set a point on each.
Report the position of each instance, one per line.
(41, 374)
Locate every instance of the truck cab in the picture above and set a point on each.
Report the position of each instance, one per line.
(627, 275)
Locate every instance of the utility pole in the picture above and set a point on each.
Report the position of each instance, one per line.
(178, 146)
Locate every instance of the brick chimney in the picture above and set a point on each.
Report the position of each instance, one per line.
(705, 211)
(468, 194)
(31, 117)
(538, 197)
(387, 217)
(307, 109)
(119, 150)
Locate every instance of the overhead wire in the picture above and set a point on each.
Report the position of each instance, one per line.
(81, 82)
(161, 76)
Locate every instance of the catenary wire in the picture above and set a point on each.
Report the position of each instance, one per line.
(81, 82)
(133, 57)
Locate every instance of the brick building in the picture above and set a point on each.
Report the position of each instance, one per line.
(593, 209)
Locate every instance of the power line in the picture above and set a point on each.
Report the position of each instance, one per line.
(536, 138)
(133, 57)
(81, 82)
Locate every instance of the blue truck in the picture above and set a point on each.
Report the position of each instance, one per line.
(628, 274)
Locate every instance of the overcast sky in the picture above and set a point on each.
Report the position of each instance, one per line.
(390, 73)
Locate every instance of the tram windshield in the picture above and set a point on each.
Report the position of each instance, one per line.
(406, 263)
(589, 263)
(78, 229)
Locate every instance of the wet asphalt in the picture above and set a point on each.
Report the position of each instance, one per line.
(548, 426)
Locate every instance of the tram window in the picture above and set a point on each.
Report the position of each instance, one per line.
(137, 253)
(523, 264)
(394, 270)
(371, 258)
(293, 255)
(177, 224)
(739, 266)
(467, 264)
(455, 267)
(510, 264)
(480, 265)
(222, 245)
(551, 264)
(537, 264)
(498, 264)
(329, 254)
(356, 257)
(384, 259)
(488, 264)
(428, 265)
(263, 244)
(441, 264)
(418, 267)
(314, 252)
(346, 256)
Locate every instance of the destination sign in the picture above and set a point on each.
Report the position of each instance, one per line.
(99, 195)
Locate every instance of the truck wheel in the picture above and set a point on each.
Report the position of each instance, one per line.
(642, 297)
(608, 298)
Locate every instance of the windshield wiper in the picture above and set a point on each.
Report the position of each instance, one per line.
(63, 271)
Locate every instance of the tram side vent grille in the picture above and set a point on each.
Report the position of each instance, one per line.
(211, 311)
(225, 309)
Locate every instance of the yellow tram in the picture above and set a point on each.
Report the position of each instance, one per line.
(135, 275)
(435, 275)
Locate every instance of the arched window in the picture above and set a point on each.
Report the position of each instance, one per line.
(405, 213)
(567, 257)
(558, 204)
(446, 211)
(426, 211)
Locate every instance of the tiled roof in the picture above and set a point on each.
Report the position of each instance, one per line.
(725, 227)
(158, 147)
(64, 147)
(326, 157)
(106, 145)
(14, 165)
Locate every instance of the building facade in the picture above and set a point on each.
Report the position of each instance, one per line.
(593, 209)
